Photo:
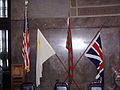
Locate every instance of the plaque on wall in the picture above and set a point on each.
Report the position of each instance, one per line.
(17, 70)
(17, 76)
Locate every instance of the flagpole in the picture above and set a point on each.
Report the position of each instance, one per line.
(61, 62)
(67, 71)
(68, 28)
(68, 25)
(72, 53)
(26, 9)
(26, 16)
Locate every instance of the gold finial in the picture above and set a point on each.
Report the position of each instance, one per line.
(26, 2)
(27, 68)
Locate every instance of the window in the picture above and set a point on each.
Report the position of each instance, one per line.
(1, 63)
(4, 48)
(3, 8)
(0, 41)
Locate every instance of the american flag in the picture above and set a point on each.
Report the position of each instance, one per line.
(95, 55)
(26, 44)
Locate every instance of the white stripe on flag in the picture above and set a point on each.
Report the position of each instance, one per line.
(94, 56)
(98, 75)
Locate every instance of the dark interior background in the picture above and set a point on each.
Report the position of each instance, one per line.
(50, 17)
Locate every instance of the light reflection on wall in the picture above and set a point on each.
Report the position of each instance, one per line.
(78, 44)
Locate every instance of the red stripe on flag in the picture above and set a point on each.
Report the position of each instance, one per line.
(70, 76)
(70, 51)
(98, 50)
(25, 48)
(101, 67)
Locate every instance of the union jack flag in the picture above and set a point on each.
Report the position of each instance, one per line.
(95, 55)
(26, 44)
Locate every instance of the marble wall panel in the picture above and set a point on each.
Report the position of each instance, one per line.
(52, 68)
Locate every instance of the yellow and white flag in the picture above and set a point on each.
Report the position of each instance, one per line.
(44, 51)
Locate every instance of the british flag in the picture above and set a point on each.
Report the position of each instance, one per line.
(95, 55)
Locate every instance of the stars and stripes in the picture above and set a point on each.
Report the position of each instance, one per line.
(26, 44)
(94, 53)
(70, 51)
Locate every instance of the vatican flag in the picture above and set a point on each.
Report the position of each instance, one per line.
(44, 51)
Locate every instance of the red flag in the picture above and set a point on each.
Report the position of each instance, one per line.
(70, 51)
(26, 44)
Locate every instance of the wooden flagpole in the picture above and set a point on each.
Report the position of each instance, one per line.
(61, 62)
(72, 51)
(71, 47)
(67, 71)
